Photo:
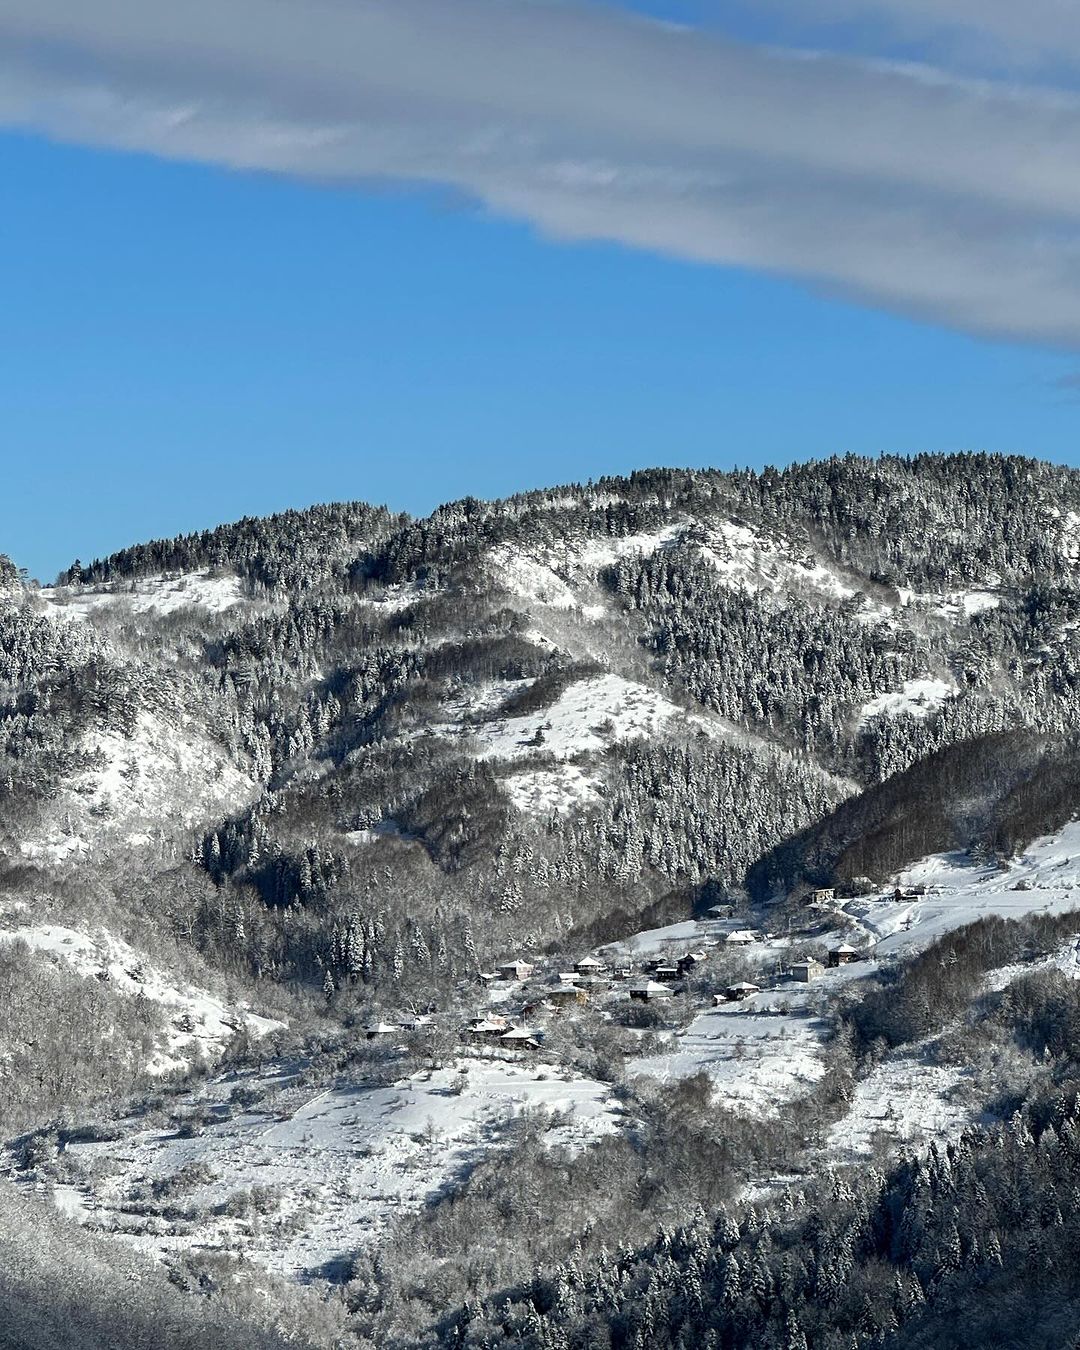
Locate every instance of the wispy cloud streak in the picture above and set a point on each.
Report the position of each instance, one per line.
(948, 198)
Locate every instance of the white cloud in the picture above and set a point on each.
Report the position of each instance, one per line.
(995, 32)
(948, 198)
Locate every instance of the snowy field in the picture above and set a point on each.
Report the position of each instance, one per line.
(588, 716)
(336, 1165)
(760, 1052)
(757, 1055)
(903, 1101)
(1045, 878)
(752, 562)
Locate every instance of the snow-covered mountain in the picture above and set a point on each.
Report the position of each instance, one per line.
(278, 800)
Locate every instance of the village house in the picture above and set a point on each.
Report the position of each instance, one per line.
(516, 970)
(488, 1028)
(842, 955)
(590, 965)
(519, 1038)
(824, 895)
(377, 1029)
(666, 973)
(648, 991)
(805, 971)
(720, 912)
(741, 937)
(593, 982)
(690, 961)
(735, 993)
(566, 995)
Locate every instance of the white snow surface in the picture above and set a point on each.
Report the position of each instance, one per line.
(209, 1023)
(917, 698)
(563, 575)
(1045, 878)
(760, 1052)
(162, 776)
(341, 1161)
(752, 562)
(147, 595)
(905, 1100)
(541, 791)
(588, 716)
(757, 1055)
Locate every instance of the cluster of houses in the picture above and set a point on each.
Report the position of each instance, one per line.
(653, 979)
(591, 975)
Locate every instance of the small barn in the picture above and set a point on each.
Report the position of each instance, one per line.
(666, 973)
(805, 971)
(649, 991)
(843, 955)
(720, 912)
(735, 993)
(516, 970)
(690, 961)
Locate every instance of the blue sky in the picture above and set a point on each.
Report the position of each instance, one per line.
(200, 330)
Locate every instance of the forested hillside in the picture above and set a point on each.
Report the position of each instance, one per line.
(268, 785)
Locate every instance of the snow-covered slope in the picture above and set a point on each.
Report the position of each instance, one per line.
(149, 595)
(589, 717)
(329, 1168)
(165, 777)
(200, 1024)
(1045, 878)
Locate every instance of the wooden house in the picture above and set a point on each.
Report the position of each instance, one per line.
(735, 993)
(666, 973)
(379, 1029)
(741, 937)
(720, 912)
(648, 991)
(590, 965)
(690, 961)
(519, 1038)
(805, 971)
(488, 1028)
(824, 895)
(516, 970)
(842, 955)
(566, 996)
